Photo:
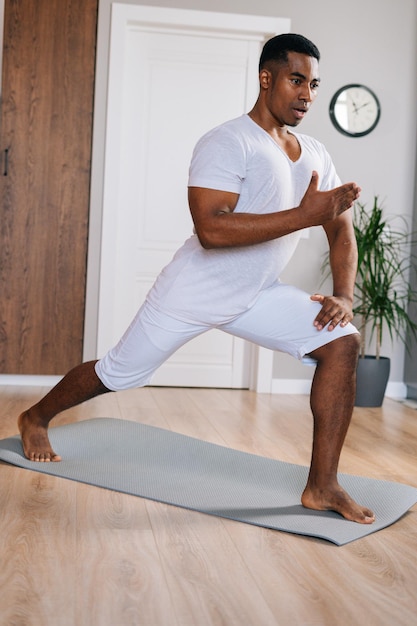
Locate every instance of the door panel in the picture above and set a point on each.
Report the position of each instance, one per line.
(46, 119)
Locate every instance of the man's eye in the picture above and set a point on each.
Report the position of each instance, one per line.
(315, 86)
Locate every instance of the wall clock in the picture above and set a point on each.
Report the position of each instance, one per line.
(354, 110)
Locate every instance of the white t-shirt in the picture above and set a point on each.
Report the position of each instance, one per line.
(214, 286)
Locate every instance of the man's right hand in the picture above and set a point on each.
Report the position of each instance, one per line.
(320, 207)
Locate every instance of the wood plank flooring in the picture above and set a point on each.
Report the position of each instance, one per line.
(76, 555)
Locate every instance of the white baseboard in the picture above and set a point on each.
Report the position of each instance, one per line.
(398, 391)
(294, 386)
(28, 380)
(298, 386)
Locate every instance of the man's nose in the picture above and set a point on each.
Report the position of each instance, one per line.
(306, 93)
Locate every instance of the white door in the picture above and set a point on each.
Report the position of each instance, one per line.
(173, 75)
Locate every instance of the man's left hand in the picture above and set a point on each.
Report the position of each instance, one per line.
(335, 310)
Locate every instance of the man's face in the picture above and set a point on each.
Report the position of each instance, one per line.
(290, 88)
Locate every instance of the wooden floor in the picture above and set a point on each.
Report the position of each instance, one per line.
(76, 555)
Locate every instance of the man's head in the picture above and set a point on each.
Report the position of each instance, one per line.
(276, 49)
(288, 79)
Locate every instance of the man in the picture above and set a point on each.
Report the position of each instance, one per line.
(253, 186)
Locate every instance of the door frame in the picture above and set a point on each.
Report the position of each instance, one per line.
(258, 27)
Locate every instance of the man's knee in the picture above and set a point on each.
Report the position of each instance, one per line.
(346, 349)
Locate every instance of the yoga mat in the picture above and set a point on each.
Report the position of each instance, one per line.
(168, 467)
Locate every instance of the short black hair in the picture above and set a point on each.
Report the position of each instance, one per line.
(277, 48)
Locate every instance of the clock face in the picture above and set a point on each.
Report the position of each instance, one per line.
(355, 110)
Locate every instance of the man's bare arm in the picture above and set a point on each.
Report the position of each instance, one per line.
(343, 258)
(217, 225)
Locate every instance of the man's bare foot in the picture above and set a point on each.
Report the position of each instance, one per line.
(336, 500)
(35, 441)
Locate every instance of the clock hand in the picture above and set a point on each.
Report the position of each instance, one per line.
(362, 105)
(355, 108)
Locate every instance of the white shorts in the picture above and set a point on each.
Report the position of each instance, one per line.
(281, 319)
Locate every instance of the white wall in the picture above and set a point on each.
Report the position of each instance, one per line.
(365, 41)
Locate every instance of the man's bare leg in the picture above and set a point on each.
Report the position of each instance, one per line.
(332, 400)
(79, 385)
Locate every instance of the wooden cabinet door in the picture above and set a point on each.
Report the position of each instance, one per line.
(45, 144)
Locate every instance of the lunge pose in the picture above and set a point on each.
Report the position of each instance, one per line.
(254, 184)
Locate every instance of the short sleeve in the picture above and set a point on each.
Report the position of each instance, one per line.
(330, 178)
(218, 162)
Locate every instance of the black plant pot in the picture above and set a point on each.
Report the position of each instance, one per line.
(371, 380)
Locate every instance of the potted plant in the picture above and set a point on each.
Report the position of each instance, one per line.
(382, 295)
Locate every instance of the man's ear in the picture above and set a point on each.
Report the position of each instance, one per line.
(264, 78)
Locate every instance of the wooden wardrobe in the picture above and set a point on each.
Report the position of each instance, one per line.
(45, 149)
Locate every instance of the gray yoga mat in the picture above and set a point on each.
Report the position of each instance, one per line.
(168, 467)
